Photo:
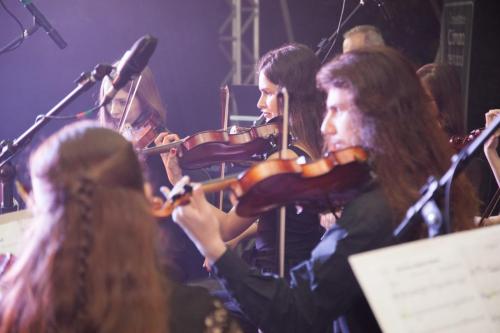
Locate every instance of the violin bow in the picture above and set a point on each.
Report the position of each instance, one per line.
(492, 205)
(283, 104)
(130, 98)
(224, 94)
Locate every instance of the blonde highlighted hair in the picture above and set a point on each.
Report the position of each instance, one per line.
(147, 93)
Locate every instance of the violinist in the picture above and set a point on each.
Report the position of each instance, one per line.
(141, 110)
(376, 101)
(293, 66)
(143, 101)
(442, 82)
(145, 108)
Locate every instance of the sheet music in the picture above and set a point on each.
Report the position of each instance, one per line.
(446, 284)
(12, 229)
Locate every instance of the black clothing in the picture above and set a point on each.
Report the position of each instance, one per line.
(180, 258)
(302, 233)
(323, 289)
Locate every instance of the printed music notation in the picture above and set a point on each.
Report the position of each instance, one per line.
(13, 228)
(446, 284)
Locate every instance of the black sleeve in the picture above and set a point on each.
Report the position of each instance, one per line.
(322, 288)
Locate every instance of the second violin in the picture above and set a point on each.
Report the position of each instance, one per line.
(210, 147)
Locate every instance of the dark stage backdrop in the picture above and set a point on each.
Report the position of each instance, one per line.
(188, 64)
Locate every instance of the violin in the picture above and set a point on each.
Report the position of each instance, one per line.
(459, 142)
(209, 147)
(322, 184)
(144, 129)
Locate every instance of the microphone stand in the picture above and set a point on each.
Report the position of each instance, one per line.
(427, 206)
(9, 148)
(26, 33)
(324, 42)
(7, 176)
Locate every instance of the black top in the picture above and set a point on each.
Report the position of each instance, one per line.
(180, 258)
(323, 290)
(302, 234)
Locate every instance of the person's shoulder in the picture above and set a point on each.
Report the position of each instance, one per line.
(371, 196)
(365, 223)
(370, 209)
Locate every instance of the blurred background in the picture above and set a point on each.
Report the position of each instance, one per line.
(191, 61)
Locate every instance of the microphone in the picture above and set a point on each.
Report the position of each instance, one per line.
(131, 64)
(44, 23)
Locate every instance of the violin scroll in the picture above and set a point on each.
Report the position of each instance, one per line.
(179, 195)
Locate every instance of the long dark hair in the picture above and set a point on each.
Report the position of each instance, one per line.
(443, 83)
(90, 265)
(399, 128)
(294, 66)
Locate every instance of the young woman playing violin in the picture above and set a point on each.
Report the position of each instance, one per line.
(138, 113)
(376, 101)
(292, 66)
(137, 108)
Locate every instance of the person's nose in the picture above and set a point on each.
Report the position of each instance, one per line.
(261, 104)
(328, 125)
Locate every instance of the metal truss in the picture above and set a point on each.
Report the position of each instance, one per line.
(239, 41)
